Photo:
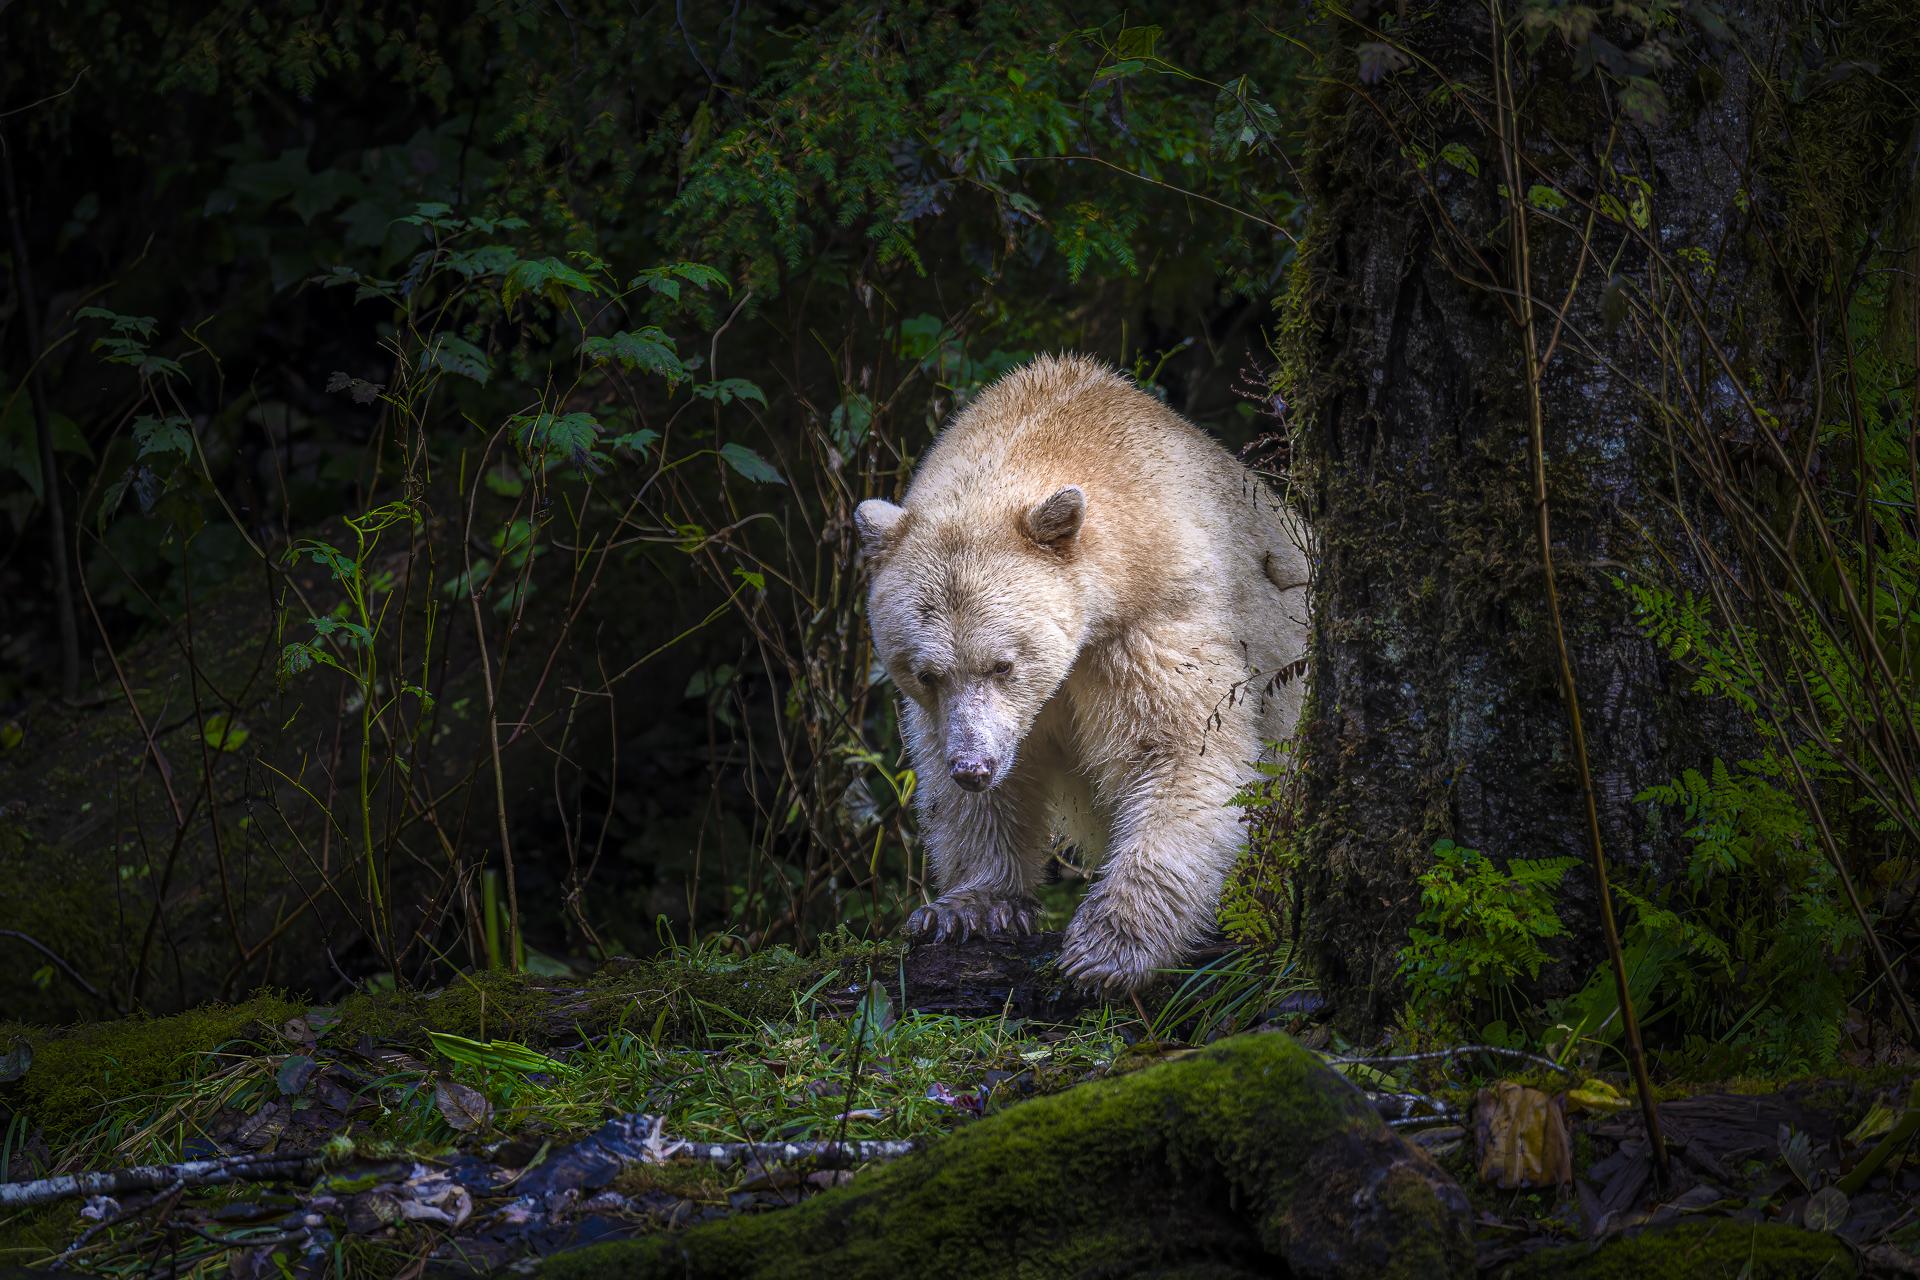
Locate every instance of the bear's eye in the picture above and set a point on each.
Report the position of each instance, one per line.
(928, 679)
(1002, 667)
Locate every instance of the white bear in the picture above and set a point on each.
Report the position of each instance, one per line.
(1098, 620)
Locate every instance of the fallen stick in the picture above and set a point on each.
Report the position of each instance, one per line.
(590, 1162)
(630, 1140)
(154, 1177)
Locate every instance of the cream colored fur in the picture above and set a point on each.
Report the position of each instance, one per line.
(1106, 662)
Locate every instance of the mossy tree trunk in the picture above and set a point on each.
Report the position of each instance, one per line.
(1437, 706)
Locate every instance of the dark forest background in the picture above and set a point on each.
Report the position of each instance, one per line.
(428, 440)
(455, 417)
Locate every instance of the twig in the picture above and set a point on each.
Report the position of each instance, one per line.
(65, 968)
(1506, 116)
(1460, 1051)
(1178, 190)
(636, 1139)
(1397, 1108)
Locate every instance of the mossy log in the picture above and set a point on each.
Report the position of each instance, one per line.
(1247, 1158)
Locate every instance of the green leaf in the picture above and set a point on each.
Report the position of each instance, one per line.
(636, 441)
(356, 634)
(666, 280)
(758, 581)
(875, 1015)
(126, 326)
(650, 350)
(571, 435)
(487, 260)
(341, 565)
(296, 658)
(223, 733)
(1136, 42)
(750, 464)
(497, 1055)
(728, 390)
(548, 277)
(1541, 196)
(504, 483)
(433, 213)
(1457, 155)
(455, 354)
(162, 435)
(849, 422)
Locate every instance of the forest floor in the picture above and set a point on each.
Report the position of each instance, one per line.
(507, 1119)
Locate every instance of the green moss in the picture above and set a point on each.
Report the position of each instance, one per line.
(1248, 1158)
(686, 995)
(32, 1235)
(487, 1005)
(52, 898)
(82, 1073)
(1701, 1249)
(700, 994)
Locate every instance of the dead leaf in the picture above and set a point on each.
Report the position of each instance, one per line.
(294, 1073)
(1521, 1138)
(1826, 1211)
(1796, 1149)
(261, 1129)
(430, 1196)
(464, 1108)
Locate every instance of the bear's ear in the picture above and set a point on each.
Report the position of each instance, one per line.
(1057, 519)
(879, 523)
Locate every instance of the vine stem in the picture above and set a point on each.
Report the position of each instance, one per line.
(493, 718)
(1507, 124)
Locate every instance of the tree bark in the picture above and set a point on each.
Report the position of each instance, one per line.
(1437, 711)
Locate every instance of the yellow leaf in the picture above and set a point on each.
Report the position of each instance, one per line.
(1596, 1095)
(1521, 1138)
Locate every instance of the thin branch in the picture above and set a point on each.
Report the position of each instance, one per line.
(1506, 117)
(1168, 186)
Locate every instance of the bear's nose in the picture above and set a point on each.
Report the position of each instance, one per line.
(973, 772)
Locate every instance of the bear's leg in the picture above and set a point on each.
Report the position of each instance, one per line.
(1175, 836)
(986, 850)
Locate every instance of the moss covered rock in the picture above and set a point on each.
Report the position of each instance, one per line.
(1698, 1249)
(1248, 1158)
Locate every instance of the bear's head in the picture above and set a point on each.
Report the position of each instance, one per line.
(977, 622)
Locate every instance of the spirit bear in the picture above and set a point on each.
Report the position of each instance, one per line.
(1098, 618)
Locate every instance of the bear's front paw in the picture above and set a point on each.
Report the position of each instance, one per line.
(1100, 953)
(958, 916)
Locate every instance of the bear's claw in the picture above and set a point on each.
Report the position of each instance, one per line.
(959, 917)
(1096, 956)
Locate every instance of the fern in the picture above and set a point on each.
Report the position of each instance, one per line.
(1479, 932)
